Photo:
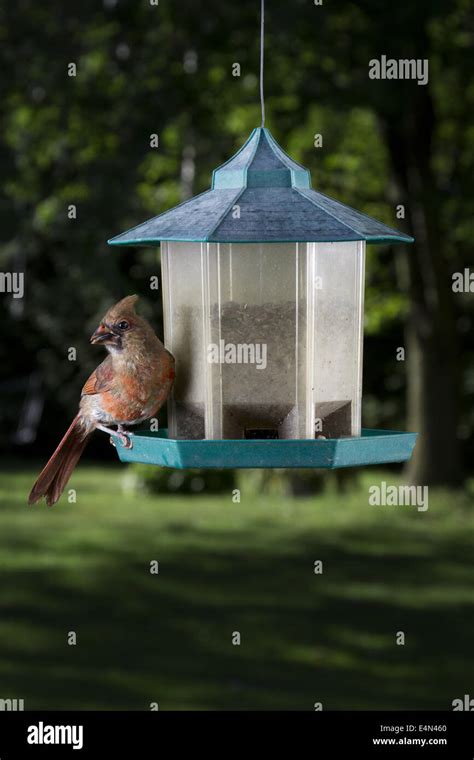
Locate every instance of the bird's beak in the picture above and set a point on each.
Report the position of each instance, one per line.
(103, 334)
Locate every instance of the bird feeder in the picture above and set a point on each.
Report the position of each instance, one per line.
(263, 301)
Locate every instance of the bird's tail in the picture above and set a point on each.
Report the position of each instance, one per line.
(53, 478)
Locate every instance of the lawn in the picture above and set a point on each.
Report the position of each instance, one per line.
(226, 567)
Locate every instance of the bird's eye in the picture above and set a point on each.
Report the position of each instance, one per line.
(123, 325)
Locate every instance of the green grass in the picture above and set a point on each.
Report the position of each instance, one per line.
(228, 567)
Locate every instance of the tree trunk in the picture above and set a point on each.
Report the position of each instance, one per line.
(431, 337)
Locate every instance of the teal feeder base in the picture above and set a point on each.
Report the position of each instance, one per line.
(373, 447)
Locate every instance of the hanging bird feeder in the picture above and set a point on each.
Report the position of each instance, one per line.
(263, 300)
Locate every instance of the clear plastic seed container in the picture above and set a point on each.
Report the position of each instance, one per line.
(267, 338)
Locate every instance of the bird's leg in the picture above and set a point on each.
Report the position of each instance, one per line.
(122, 435)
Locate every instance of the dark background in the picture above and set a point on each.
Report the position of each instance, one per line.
(85, 140)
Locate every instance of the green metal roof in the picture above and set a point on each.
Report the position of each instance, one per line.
(275, 204)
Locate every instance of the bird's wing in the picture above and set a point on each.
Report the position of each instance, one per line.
(100, 380)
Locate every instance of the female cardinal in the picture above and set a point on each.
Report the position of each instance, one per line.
(130, 386)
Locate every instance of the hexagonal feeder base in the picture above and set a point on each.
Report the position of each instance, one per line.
(373, 447)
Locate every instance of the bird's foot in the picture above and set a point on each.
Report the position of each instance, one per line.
(126, 440)
(123, 435)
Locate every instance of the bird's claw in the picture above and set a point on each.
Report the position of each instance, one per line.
(124, 438)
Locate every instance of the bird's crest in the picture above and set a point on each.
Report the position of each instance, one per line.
(123, 307)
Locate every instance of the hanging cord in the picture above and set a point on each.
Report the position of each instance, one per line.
(262, 30)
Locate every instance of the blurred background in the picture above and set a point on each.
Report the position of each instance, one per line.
(84, 141)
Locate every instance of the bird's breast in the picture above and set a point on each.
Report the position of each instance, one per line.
(139, 394)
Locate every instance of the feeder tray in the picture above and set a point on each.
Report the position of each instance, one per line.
(372, 447)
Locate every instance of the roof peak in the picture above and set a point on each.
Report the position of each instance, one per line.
(260, 162)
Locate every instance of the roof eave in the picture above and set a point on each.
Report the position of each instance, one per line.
(369, 239)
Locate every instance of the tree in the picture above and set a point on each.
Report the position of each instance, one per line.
(145, 69)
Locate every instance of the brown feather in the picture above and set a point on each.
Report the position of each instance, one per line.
(101, 379)
(56, 473)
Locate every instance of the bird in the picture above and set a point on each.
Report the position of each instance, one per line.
(127, 388)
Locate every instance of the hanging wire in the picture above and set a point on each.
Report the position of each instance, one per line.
(262, 31)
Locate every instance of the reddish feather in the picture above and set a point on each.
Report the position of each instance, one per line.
(54, 476)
